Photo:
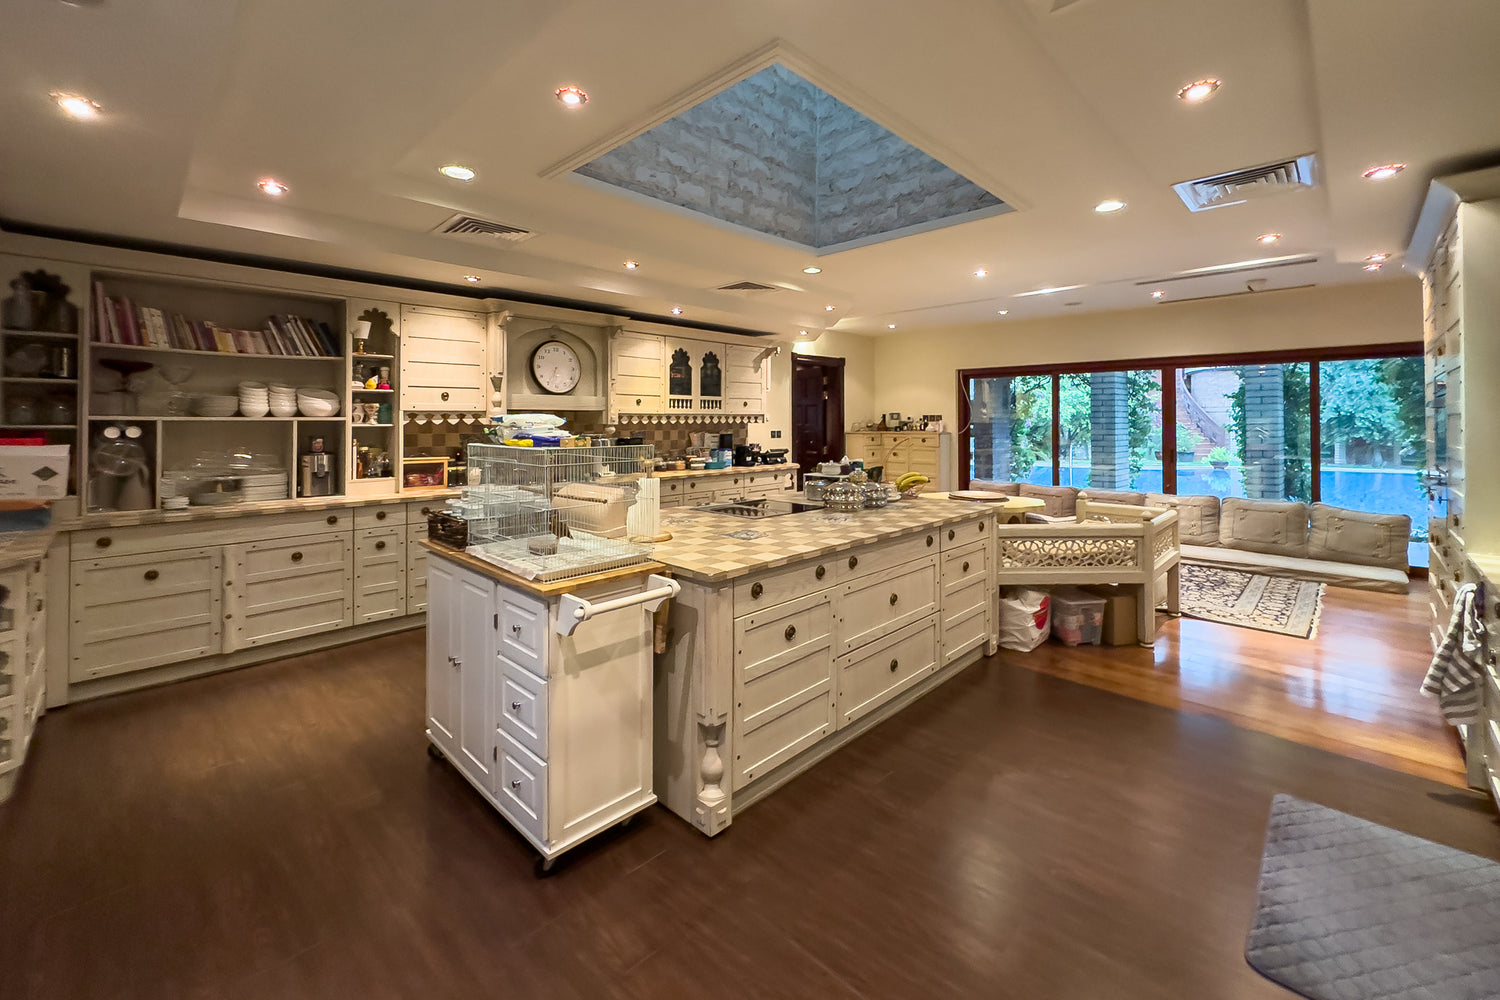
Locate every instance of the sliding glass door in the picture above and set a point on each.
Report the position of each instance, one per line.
(1244, 431)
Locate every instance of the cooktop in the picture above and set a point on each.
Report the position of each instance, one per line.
(760, 508)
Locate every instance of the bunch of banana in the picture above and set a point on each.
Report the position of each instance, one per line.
(911, 481)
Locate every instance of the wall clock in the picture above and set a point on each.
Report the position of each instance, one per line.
(556, 367)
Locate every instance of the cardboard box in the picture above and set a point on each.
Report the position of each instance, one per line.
(28, 472)
(1119, 614)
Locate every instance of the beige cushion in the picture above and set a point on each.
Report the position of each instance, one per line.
(1115, 496)
(1338, 574)
(1358, 536)
(1009, 489)
(1275, 526)
(1061, 501)
(1197, 516)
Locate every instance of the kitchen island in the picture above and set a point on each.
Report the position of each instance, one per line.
(794, 634)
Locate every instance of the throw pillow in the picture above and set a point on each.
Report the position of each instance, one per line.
(1357, 536)
(1008, 489)
(1115, 496)
(1275, 526)
(1197, 516)
(1061, 501)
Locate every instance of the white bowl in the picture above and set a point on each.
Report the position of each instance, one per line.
(283, 410)
(317, 408)
(253, 386)
(254, 409)
(312, 392)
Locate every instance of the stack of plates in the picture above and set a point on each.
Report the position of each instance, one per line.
(255, 399)
(264, 486)
(283, 400)
(317, 403)
(215, 406)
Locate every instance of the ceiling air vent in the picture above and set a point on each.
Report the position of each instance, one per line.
(746, 286)
(470, 225)
(1239, 186)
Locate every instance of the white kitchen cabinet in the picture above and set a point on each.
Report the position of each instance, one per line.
(23, 612)
(416, 569)
(687, 375)
(930, 453)
(288, 587)
(443, 359)
(379, 573)
(872, 676)
(746, 380)
(783, 676)
(130, 612)
(554, 731)
(637, 372)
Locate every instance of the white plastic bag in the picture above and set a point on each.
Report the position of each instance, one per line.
(1025, 618)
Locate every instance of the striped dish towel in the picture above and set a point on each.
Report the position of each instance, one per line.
(1458, 665)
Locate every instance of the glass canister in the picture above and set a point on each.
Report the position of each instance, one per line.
(844, 496)
(875, 495)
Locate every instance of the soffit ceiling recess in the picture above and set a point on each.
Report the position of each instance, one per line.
(1049, 106)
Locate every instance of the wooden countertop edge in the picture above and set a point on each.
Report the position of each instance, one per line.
(733, 470)
(134, 519)
(549, 589)
(24, 550)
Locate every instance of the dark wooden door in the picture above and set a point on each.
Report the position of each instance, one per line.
(817, 409)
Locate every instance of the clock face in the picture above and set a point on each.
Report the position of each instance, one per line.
(555, 367)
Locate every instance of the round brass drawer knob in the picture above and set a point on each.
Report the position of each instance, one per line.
(966, 565)
(894, 665)
(445, 397)
(951, 534)
(821, 571)
(380, 515)
(333, 519)
(104, 542)
(756, 590)
(791, 632)
(296, 557)
(894, 599)
(381, 545)
(929, 541)
(853, 561)
(152, 574)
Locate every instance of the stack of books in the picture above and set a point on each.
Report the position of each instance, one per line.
(118, 320)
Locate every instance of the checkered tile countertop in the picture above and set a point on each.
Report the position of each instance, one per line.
(716, 547)
(132, 518)
(18, 547)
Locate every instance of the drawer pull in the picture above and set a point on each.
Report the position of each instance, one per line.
(966, 565)
(853, 561)
(516, 629)
(40, 605)
(637, 402)
(452, 661)
(426, 511)
(951, 534)
(515, 706)
(381, 545)
(514, 782)
(894, 665)
(929, 541)
(894, 599)
(104, 542)
(756, 590)
(820, 572)
(380, 515)
(333, 519)
(152, 574)
(981, 527)
(791, 632)
(296, 557)
(445, 397)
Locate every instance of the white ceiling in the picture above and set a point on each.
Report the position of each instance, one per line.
(355, 105)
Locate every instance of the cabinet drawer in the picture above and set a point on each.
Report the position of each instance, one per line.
(521, 786)
(957, 536)
(12, 735)
(768, 640)
(287, 588)
(964, 632)
(523, 630)
(416, 569)
(12, 669)
(100, 543)
(417, 511)
(776, 740)
(873, 676)
(875, 558)
(380, 574)
(380, 515)
(763, 590)
(416, 395)
(133, 612)
(522, 707)
(965, 566)
(880, 604)
(963, 601)
(637, 402)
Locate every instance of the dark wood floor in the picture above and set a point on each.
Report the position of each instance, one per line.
(279, 832)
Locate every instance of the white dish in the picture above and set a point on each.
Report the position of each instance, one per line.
(254, 409)
(978, 495)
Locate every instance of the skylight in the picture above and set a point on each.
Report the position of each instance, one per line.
(780, 156)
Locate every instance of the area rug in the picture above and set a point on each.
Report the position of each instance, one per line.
(1251, 600)
(1347, 909)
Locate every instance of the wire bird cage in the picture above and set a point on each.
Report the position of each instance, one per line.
(550, 514)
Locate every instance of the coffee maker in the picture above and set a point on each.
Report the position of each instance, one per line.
(319, 472)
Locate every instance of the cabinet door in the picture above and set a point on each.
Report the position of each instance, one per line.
(288, 587)
(416, 569)
(873, 676)
(442, 655)
(137, 611)
(379, 574)
(442, 359)
(474, 642)
(745, 375)
(884, 602)
(637, 373)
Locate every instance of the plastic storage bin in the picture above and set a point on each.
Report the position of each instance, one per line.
(1077, 617)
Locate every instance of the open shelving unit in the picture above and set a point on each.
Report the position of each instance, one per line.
(43, 404)
(382, 436)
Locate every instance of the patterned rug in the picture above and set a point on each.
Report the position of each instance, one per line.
(1251, 600)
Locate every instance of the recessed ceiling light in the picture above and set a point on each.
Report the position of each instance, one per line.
(572, 97)
(1378, 258)
(457, 171)
(1375, 266)
(1047, 291)
(631, 265)
(1268, 238)
(1159, 293)
(1004, 312)
(472, 279)
(980, 273)
(677, 310)
(1384, 171)
(1109, 205)
(1199, 90)
(812, 270)
(828, 309)
(272, 187)
(801, 333)
(76, 106)
(891, 326)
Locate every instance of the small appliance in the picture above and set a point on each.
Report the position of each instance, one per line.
(747, 454)
(319, 472)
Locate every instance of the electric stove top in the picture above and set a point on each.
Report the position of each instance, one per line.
(760, 508)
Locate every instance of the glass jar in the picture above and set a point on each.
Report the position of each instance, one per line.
(875, 495)
(844, 496)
